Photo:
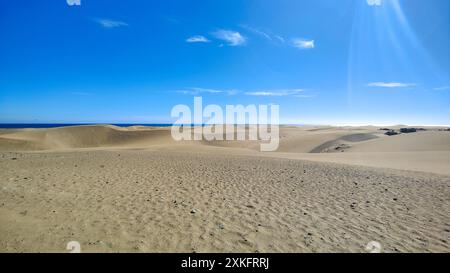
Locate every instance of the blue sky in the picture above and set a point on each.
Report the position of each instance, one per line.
(322, 61)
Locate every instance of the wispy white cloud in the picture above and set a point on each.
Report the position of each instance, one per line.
(197, 39)
(374, 2)
(305, 96)
(303, 43)
(73, 2)
(274, 38)
(263, 93)
(442, 88)
(391, 84)
(295, 92)
(107, 23)
(233, 38)
(276, 93)
(280, 38)
(257, 31)
(198, 90)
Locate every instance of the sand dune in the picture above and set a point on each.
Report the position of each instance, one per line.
(135, 189)
(83, 137)
(422, 151)
(420, 141)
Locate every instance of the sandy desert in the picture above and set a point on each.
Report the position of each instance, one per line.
(134, 189)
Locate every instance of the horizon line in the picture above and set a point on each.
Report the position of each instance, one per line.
(204, 124)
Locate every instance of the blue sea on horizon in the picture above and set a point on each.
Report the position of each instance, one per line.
(53, 125)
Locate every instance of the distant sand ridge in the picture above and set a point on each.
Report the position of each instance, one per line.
(136, 189)
(421, 151)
